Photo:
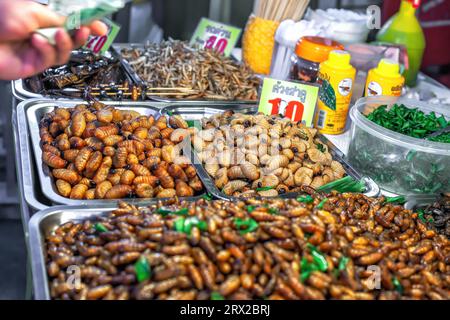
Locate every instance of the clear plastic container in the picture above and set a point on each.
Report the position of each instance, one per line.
(398, 163)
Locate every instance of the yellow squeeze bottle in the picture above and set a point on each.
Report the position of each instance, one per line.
(336, 76)
(385, 80)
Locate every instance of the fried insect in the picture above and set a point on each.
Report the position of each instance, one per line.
(94, 144)
(53, 160)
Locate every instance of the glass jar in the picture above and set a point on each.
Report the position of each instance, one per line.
(310, 52)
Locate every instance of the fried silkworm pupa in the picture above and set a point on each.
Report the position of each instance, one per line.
(70, 155)
(167, 193)
(93, 164)
(150, 180)
(102, 189)
(104, 132)
(140, 170)
(53, 161)
(102, 172)
(119, 192)
(77, 143)
(144, 191)
(51, 149)
(67, 175)
(82, 159)
(64, 188)
(120, 158)
(127, 177)
(183, 190)
(105, 115)
(164, 177)
(90, 194)
(78, 192)
(78, 124)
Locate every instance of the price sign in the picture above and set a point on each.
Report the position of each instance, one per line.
(215, 35)
(101, 44)
(296, 101)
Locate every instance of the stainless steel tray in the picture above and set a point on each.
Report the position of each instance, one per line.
(116, 50)
(197, 113)
(41, 225)
(22, 94)
(29, 114)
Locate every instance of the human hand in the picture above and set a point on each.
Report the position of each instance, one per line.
(24, 53)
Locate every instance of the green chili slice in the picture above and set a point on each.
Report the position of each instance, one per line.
(249, 225)
(142, 269)
(265, 189)
(306, 199)
(399, 200)
(321, 204)
(99, 227)
(216, 296)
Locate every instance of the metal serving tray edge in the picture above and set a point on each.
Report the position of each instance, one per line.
(43, 223)
(196, 113)
(116, 50)
(29, 114)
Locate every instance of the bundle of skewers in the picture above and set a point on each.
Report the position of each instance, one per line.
(258, 42)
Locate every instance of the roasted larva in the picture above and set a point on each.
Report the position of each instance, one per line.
(260, 155)
(314, 247)
(99, 152)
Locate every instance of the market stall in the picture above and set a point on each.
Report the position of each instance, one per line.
(173, 171)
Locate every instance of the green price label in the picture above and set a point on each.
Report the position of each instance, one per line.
(101, 44)
(293, 100)
(215, 35)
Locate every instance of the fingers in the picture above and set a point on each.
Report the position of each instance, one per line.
(43, 56)
(81, 36)
(42, 17)
(64, 46)
(98, 28)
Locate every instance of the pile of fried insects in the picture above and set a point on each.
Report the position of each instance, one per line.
(339, 246)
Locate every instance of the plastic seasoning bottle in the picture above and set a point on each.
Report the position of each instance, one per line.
(310, 52)
(336, 77)
(404, 28)
(385, 80)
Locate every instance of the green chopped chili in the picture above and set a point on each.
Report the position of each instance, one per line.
(165, 212)
(207, 197)
(142, 269)
(410, 122)
(99, 227)
(320, 147)
(250, 209)
(397, 285)
(318, 257)
(306, 199)
(346, 184)
(185, 225)
(250, 225)
(265, 189)
(216, 296)
(273, 211)
(179, 225)
(399, 200)
(343, 263)
(321, 204)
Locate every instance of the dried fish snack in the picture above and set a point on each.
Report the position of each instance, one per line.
(99, 152)
(260, 155)
(344, 246)
(176, 70)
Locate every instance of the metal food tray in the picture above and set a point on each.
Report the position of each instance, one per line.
(22, 92)
(29, 115)
(41, 225)
(199, 112)
(117, 49)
